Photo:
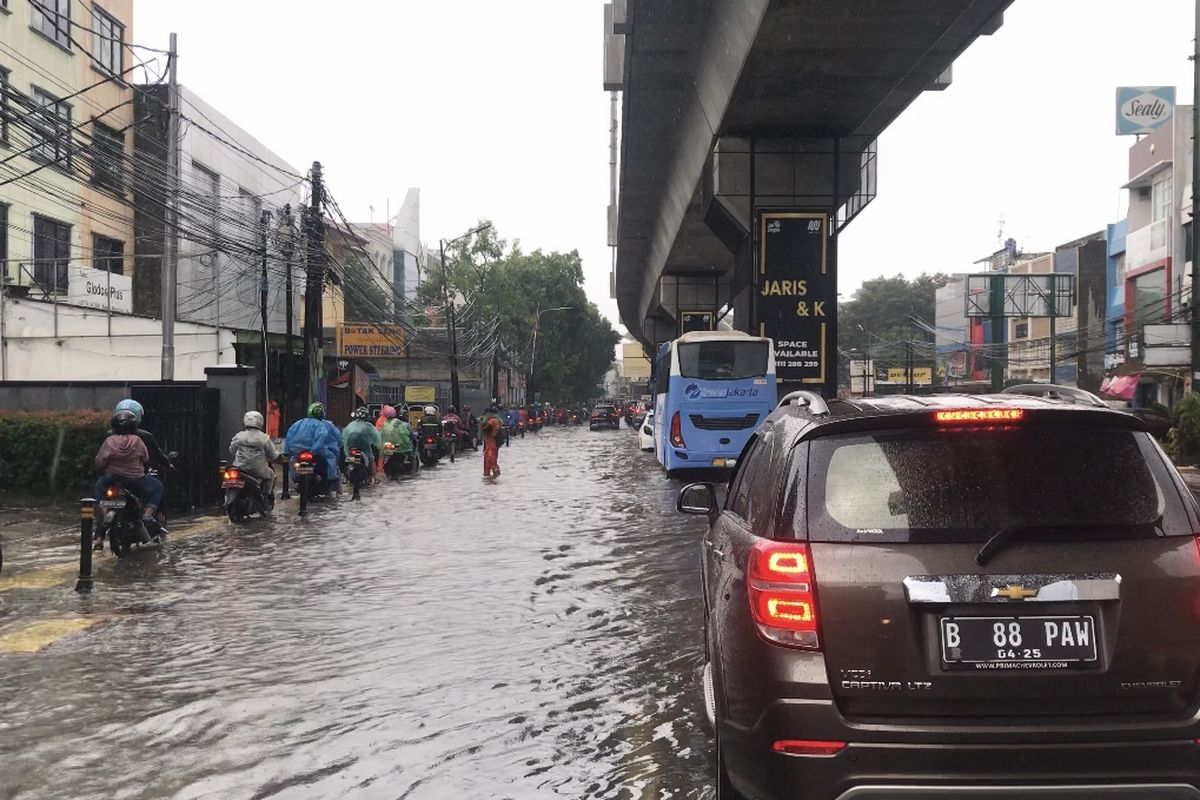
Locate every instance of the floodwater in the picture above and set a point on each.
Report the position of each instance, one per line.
(534, 636)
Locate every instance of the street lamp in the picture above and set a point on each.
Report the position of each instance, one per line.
(868, 371)
(451, 333)
(533, 351)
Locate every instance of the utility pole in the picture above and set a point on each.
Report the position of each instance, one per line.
(170, 264)
(314, 285)
(1195, 299)
(263, 221)
(286, 237)
(451, 334)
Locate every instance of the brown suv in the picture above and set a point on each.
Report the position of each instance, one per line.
(969, 596)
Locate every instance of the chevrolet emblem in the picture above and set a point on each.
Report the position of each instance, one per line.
(1011, 592)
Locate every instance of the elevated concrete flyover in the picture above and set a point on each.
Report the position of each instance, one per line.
(729, 106)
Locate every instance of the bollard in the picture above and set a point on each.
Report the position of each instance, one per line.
(87, 514)
(285, 495)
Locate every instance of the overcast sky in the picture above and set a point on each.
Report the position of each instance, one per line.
(495, 109)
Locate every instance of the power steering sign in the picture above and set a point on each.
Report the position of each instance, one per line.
(796, 295)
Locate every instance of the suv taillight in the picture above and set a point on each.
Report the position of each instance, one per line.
(783, 593)
(677, 432)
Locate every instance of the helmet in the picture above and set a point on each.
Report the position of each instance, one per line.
(388, 412)
(431, 410)
(253, 419)
(362, 412)
(134, 407)
(452, 410)
(124, 422)
(316, 411)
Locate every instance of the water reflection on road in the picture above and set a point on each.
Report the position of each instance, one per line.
(536, 636)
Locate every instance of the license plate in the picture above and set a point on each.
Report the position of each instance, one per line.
(112, 503)
(304, 469)
(233, 484)
(724, 462)
(998, 643)
(354, 460)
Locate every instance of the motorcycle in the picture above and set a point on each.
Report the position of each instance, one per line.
(396, 464)
(121, 521)
(358, 471)
(450, 437)
(535, 424)
(311, 480)
(243, 494)
(431, 449)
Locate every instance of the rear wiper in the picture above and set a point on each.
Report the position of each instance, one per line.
(998, 540)
(1002, 537)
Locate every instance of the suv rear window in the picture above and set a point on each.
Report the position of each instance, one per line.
(932, 485)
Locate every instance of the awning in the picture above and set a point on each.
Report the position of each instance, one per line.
(1143, 177)
(1121, 387)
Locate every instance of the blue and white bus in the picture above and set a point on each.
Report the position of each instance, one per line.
(712, 389)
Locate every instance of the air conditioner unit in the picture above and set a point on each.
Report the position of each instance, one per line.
(1143, 192)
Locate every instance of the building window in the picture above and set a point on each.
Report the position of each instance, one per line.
(3, 243)
(1187, 242)
(51, 129)
(252, 206)
(51, 253)
(108, 157)
(1149, 300)
(208, 187)
(52, 18)
(108, 36)
(108, 254)
(1022, 331)
(3, 106)
(1161, 198)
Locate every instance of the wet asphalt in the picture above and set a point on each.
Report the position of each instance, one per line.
(537, 635)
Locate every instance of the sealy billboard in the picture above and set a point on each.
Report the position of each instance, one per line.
(796, 296)
(1144, 109)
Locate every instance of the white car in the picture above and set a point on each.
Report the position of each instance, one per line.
(646, 432)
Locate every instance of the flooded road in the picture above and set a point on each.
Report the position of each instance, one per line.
(446, 637)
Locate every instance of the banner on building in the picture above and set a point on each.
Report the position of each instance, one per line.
(363, 340)
(1144, 109)
(97, 288)
(796, 297)
(695, 321)
(921, 376)
(420, 394)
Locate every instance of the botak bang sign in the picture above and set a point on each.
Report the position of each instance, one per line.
(796, 298)
(356, 340)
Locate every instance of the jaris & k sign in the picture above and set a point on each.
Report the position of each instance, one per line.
(1144, 109)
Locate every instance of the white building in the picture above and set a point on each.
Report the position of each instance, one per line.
(408, 258)
(229, 180)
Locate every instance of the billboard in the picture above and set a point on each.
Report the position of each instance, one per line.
(420, 394)
(796, 296)
(97, 288)
(695, 321)
(365, 340)
(1144, 109)
(922, 376)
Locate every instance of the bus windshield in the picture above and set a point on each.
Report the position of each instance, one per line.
(723, 361)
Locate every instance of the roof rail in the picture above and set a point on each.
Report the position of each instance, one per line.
(813, 401)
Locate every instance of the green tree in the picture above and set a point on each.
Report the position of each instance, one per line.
(366, 300)
(877, 318)
(502, 289)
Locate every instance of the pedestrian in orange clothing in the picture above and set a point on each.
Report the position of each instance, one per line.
(490, 426)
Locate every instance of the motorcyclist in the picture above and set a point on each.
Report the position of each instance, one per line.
(158, 459)
(400, 435)
(386, 413)
(253, 452)
(429, 424)
(122, 461)
(320, 437)
(451, 416)
(361, 435)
